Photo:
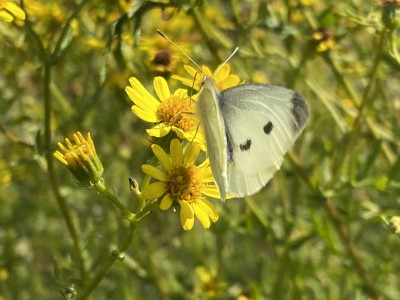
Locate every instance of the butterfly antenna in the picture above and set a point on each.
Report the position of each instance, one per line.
(226, 61)
(177, 47)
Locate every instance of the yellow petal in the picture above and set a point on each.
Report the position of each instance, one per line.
(162, 156)
(228, 82)
(179, 132)
(182, 93)
(161, 88)
(207, 71)
(192, 71)
(197, 137)
(191, 154)
(5, 16)
(138, 94)
(166, 202)
(145, 115)
(202, 215)
(186, 215)
(176, 152)
(159, 130)
(222, 73)
(154, 190)
(15, 10)
(210, 209)
(154, 172)
(212, 191)
(205, 171)
(185, 81)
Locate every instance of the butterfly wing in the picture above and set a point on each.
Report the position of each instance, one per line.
(261, 122)
(212, 123)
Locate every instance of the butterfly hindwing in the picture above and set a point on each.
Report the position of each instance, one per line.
(261, 123)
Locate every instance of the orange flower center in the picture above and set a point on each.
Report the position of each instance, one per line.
(179, 113)
(184, 183)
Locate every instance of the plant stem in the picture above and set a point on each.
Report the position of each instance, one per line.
(116, 254)
(342, 231)
(368, 284)
(366, 101)
(48, 63)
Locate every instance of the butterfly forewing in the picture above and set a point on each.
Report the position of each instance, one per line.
(261, 124)
(213, 126)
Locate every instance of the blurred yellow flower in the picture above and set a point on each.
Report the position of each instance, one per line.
(183, 182)
(45, 12)
(9, 10)
(222, 78)
(169, 112)
(5, 174)
(209, 286)
(4, 274)
(324, 39)
(81, 159)
(394, 224)
(163, 56)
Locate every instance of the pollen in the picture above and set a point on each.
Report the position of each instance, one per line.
(179, 113)
(184, 183)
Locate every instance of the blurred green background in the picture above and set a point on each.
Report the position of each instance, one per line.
(320, 229)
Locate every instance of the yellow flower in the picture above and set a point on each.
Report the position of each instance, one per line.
(181, 181)
(163, 56)
(324, 40)
(169, 112)
(45, 12)
(4, 274)
(222, 78)
(9, 10)
(5, 174)
(209, 285)
(81, 159)
(394, 224)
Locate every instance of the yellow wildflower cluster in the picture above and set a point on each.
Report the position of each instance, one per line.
(179, 179)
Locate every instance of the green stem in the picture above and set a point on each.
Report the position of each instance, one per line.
(114, 200)
(119, 252)
(354, 97)
(48, 63)
(116, 254)
(352, 250)
(393, 45)
(366, 101)
(341, 229)
(52, 174)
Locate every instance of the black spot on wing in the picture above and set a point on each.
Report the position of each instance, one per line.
(299, 112)
(245, 146)
(268, 127)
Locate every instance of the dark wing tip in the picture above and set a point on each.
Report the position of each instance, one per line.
(300, 112)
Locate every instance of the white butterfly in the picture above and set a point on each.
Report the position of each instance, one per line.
(248, 128)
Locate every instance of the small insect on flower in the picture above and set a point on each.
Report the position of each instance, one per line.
(181, 181)
(81, 159)
(169, 112)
